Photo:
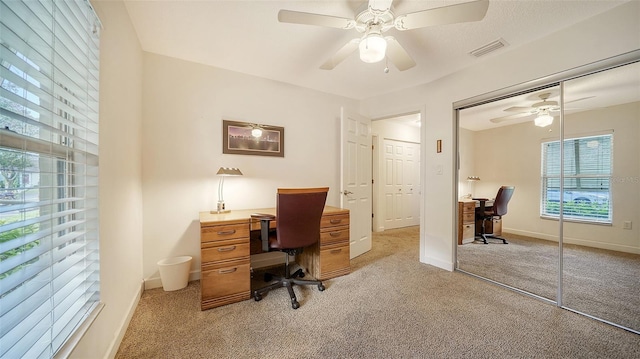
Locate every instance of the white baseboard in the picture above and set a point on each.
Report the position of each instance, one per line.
(439, 263)
(122, 329)
(578, 241)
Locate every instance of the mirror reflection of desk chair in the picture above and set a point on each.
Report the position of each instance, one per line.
(489, 214)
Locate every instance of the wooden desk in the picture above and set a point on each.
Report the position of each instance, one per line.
(466, 221)
(225, 253)
(469, 226)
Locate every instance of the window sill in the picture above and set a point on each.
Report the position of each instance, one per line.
(574, 220)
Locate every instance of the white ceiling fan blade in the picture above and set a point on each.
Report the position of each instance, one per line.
(380, 5)
(519, 109)
(341, 54)
(510, 117)
(305, 18)
(397, 55)
(466, 12)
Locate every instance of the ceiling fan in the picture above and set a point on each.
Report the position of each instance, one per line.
(542, 110)
(376, 17)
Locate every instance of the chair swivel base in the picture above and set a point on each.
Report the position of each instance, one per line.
(287, 282)
(486, 236)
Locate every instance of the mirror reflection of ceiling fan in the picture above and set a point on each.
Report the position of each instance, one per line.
(375, 18)
(543, 111)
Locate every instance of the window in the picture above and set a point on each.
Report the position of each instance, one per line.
(49, 259)
(587, 179)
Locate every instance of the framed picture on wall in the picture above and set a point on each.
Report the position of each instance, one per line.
(244, 138)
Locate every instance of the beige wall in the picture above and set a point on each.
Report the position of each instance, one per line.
(120, 181)
(184, 105)
(467, 168)
(171, 163)
(609, 34)
(511, 155)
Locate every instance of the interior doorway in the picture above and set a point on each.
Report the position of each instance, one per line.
(396, 172)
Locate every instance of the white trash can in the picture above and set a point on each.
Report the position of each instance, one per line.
(174, 272)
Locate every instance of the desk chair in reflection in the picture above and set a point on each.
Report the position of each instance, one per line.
(298, 214)
(498, 209)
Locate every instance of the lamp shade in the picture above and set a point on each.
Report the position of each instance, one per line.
(224, 172)
(373, 48)
(229, 171)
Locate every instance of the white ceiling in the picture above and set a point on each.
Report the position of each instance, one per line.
(616, 86)
(245, 36)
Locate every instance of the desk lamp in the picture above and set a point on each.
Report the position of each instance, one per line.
(224, 172)
(470, 181)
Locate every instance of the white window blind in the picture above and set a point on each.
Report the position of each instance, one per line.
(49, 260)
(587, 179)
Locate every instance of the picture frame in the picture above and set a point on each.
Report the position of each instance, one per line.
(245, 138)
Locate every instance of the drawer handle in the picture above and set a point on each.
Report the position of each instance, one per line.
(334, 234)
(224, 233)
(227, 271)
(334, 251)
(226, 249)
(335, 221)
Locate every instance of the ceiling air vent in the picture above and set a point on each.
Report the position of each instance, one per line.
(490, 47)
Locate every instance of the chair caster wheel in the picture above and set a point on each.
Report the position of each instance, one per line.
(321, 287)
(301, 275)
(295, 305)
(257, 297)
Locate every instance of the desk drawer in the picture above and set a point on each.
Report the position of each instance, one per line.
(334, 235)
(225, 281)
(468, 231)
(469, 206)
(468, 217)
(225, 250)
(219, 233)
(335, 261)
(334, 220)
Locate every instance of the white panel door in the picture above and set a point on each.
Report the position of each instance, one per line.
(356, 179)
(401, 167)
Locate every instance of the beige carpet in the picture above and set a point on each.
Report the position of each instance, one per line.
(601, 283)
(390, 306)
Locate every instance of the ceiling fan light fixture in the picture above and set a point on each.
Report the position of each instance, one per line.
(373, 48)
(544, 119)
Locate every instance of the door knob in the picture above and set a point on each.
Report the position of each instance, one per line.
(346, 193)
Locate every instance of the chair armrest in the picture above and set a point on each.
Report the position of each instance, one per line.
(265, 221)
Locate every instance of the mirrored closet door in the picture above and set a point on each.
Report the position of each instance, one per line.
(500, 145)
(571, 151)
(601, 157)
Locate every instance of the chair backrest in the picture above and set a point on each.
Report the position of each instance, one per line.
(502, 200)
(298, 214)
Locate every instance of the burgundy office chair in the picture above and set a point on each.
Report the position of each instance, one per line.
(298, 214)
(498, 209)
